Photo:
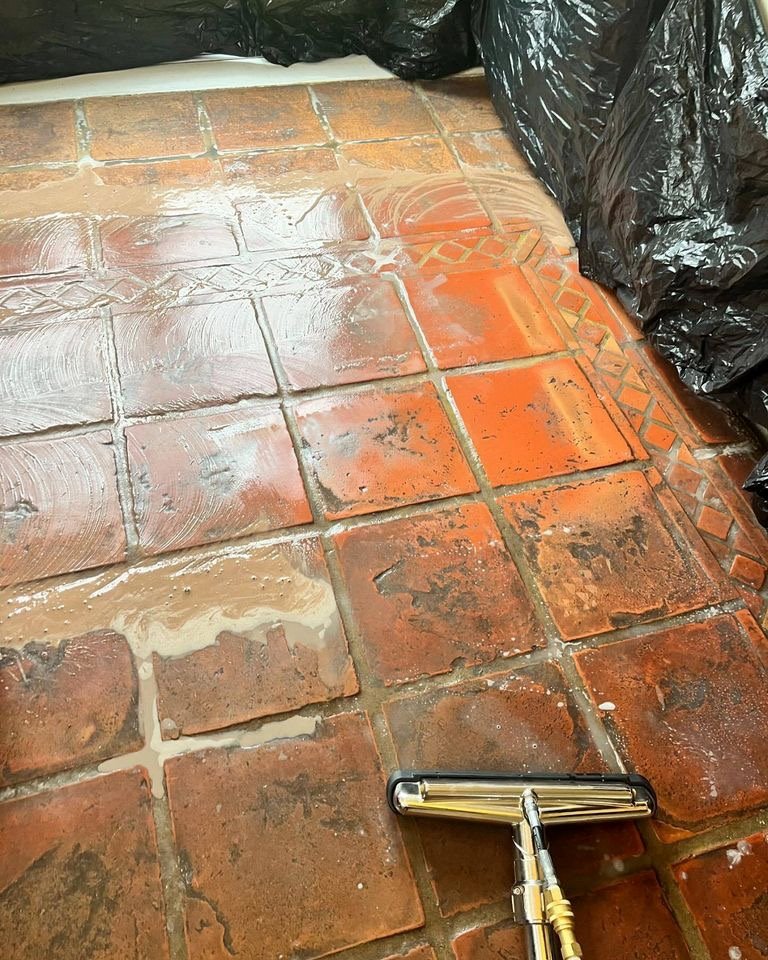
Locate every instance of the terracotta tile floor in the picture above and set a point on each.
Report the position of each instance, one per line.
(317, 456)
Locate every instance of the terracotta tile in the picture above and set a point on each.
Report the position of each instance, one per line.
(278, 644)
(185, 357)
(317, 811)
(373, 109)
(201, 479)
(522, 721)
(256, 118)
(607, 554)
(37, 133)
(629, 919)
(19, 180)
(377, 449)
(502, 941)
(284, 167)
(516, 197)
(84, 858)
(442, 204)
(422, 155)
(150, 125)
(66, 705)
(186, 174)
(423, 952)
(490, 150)
(52, 375)
(169, 239)
(714, 522)
(725, 891)
(47, 245)
(539, 421)
(477, 316)
(695, 693)
(430, 590)
(59, 509)
(463, 103)
(342, 333)
(300, 216)
(748, 571)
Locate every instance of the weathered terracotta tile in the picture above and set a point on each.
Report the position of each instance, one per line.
(66, 705)
(373, 109)
(37, 133)
(697, 693)
(299, 216)
(312, 807)
(540, 421)
(463, 103)
(629, 919)
(79, 875)
(201, 479)
(166, 239)
(376, 449)
(423, 952)
(150, 125)
(343, 333)
(262, 171)
(20, 180)
(445, 203)
(523, 722)
(429, 590)
(187, 174)
(400, 158)
(725, 891)
(52, 375)
(477, 316)
(490, 150)
(609, 553)
(516, 197)
(185, 357)
(59, 508)
(257, 118)
(47, 245)
(274, 644)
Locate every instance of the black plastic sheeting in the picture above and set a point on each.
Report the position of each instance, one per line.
(415, 39)
(647, 120)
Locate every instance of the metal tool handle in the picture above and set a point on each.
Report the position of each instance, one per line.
(528, 897)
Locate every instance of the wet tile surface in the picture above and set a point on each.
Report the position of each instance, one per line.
(433, 589)
(587, 543)
(375, 450)
(725, 891)
(83, 857)
(535, 422)
(343, 878)
(193, 356)
(218, 306)
(201, 479)
(348, 333)
(90, 680)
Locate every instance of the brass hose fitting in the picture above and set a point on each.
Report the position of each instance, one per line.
(560, 916)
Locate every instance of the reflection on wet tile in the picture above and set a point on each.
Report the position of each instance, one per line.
(47, 245)
(345, 333)
(171, 239)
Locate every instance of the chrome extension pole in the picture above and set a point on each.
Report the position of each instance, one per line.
(528, 897)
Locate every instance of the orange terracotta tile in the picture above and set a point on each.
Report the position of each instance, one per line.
(299, 822)
(202, 479)
(714, 522)
(345, 333)
(166, 239)
(725, 891)
(186, 357)
(262, 170)
(20, 179)
(608, 553)
(47, 245)
(66, 705)
(186, 174)
(463, 103)
(476, 316)
(37, 133)
(150, 125)
(491, 150)
(59, 507)
(430, 590)
(417, 155)
(51, 375)
(278, 645)
(257, 118)
(748, 571)
(84, 857)
(695, 693)
(377, 449)
(538, 421)
(373, 110)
